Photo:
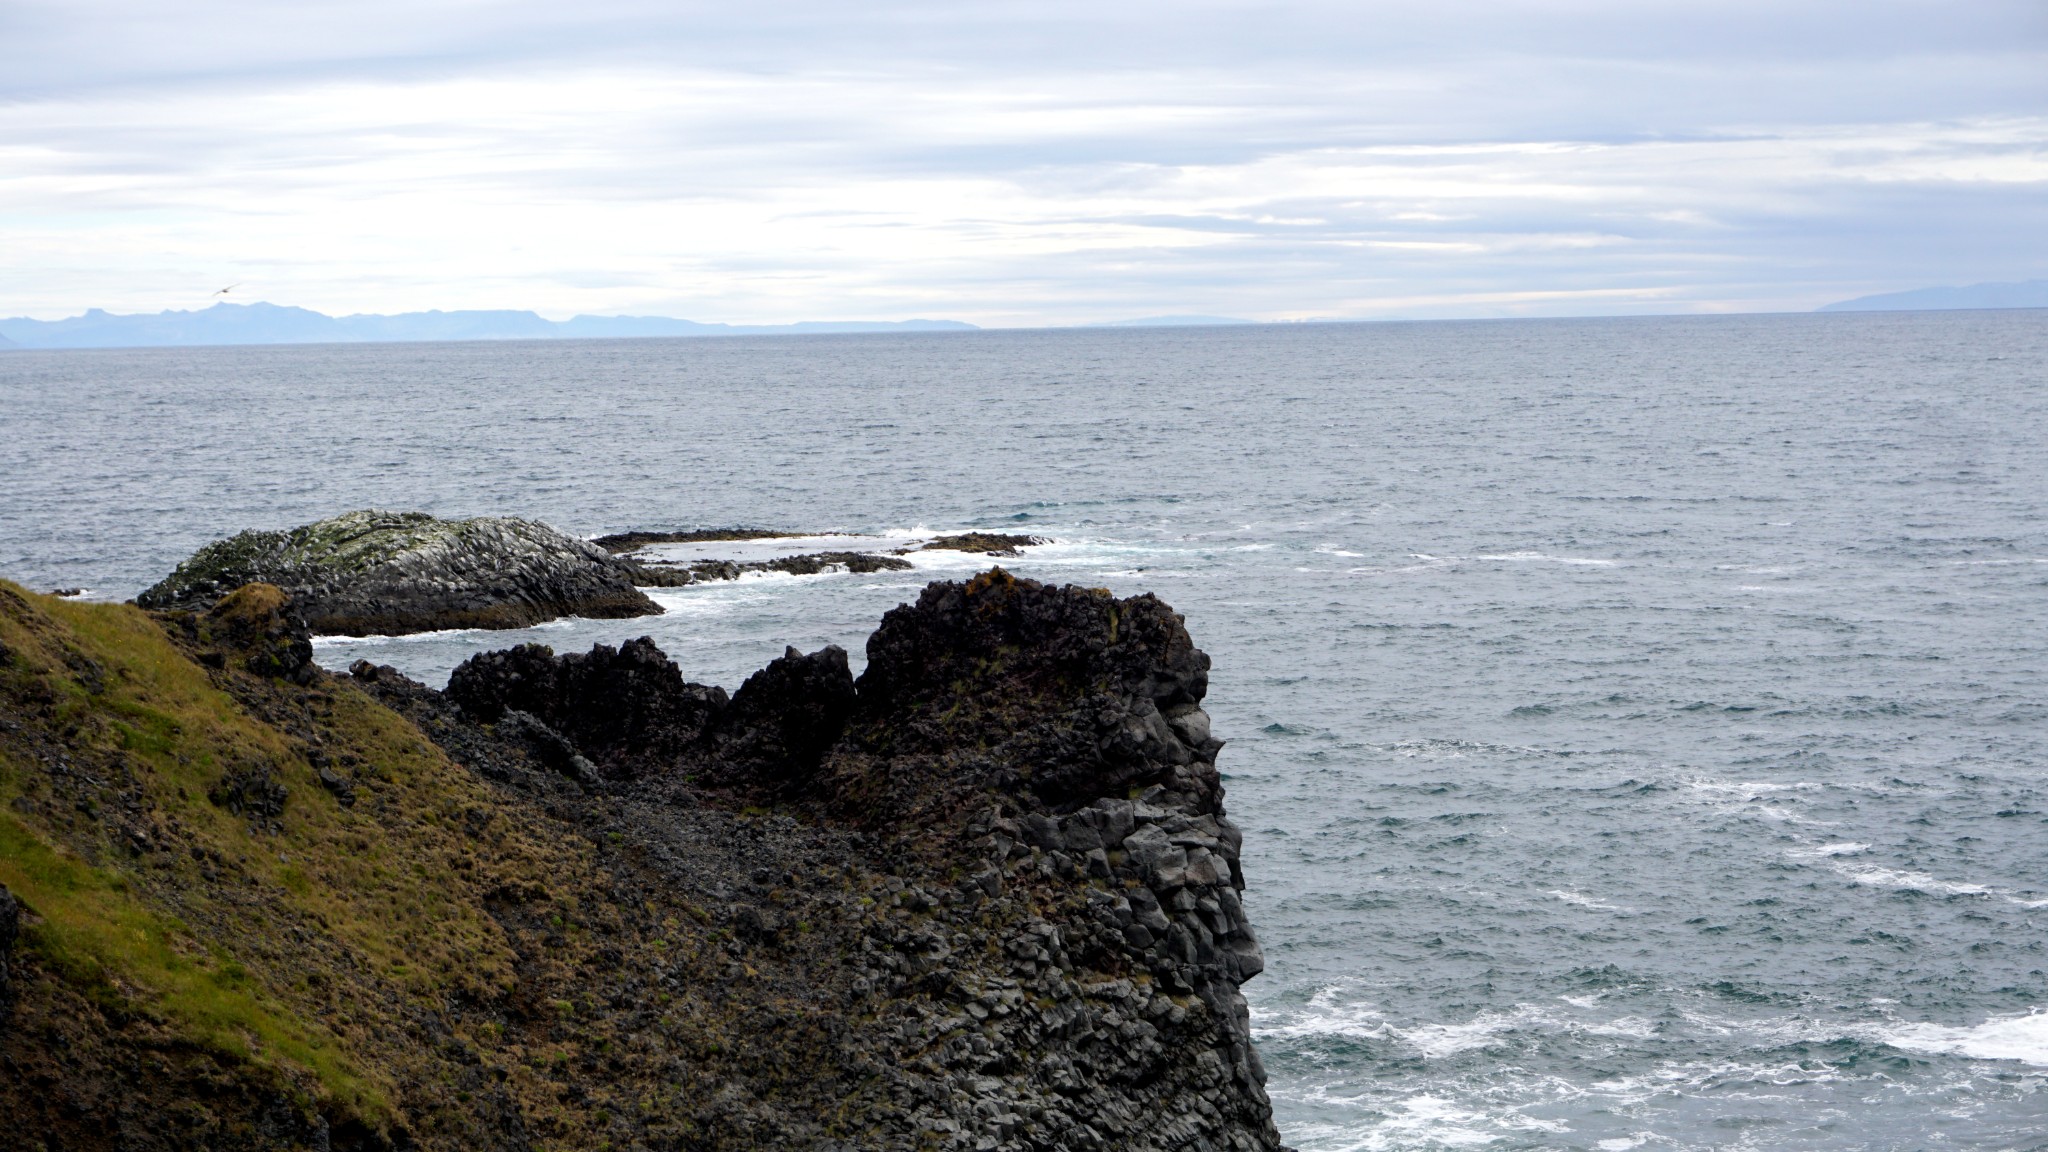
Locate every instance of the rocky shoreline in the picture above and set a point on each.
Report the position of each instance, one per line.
(372, 573)
(984, 896)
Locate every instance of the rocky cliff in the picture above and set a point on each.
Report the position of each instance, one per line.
(983, 897)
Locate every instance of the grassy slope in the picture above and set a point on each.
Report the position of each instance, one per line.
(444, 961)
(294, 944)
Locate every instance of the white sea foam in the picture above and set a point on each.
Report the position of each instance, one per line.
(1871, 876)
(1329, 1014)
(1428, 564)
(1431, 561)
(1418, 1122)
(1523, 557)
(1436, 1041)
(1822, 851)
(407, 638)
(1787, 816)
(1586, 901)
(1325, 1014)
(710, 601)
(1748, 789)
(2022, 1038)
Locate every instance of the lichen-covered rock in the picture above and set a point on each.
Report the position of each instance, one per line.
(389, 573)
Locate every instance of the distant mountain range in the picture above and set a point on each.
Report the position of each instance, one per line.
(1172, 322)
(274, 324)
(2023, 294)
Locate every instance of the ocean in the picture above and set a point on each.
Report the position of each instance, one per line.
(1639, 726)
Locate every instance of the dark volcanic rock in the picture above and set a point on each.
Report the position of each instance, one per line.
(628, 708)
(1057, 695)
(632, 541)
(1047, 747)
(785, 718)
(660, 575)
(1048, 938)
(986, 543)
(987, 899)
(367, 573)
(812, 563)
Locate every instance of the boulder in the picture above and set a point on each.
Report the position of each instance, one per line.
(389, 573)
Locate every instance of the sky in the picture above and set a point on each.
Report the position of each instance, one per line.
(1008, 163)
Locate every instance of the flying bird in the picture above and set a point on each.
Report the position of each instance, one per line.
(228, 289)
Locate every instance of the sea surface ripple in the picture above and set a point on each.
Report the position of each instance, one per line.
(1638, 724)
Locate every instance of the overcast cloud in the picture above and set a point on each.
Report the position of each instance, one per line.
(1011, 163)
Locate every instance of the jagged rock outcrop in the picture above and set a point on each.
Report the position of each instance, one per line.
(1057, 696)
(985, 897)
(1064, 938)
(1049, 743)
(627, 709)
(783, 721)
(389, 573)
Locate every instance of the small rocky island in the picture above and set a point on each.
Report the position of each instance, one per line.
(372, 573)
(391, 573)
(984, 896)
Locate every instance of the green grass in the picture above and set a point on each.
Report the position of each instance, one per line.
(90, 927)
(394, 882)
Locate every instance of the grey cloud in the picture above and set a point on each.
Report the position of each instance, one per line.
(1191, 130)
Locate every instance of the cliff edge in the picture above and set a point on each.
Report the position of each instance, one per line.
(983, 897)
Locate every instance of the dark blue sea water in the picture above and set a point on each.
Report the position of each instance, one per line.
(1640, 726)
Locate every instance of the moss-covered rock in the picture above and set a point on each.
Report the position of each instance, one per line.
(389, 573)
